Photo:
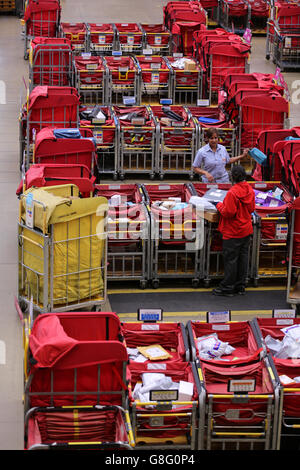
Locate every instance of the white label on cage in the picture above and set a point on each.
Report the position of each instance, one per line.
(221, 327)
(91, 66)
(29, 211)
(156, 421)
(285, 322)
(284, 313)
(130, 40)
(150, 327)
(86, 55)
(155, 65)
(202, 102)
(281, 231)
(155, 77)
(99, 137)
(218, 317)
(287, 42)
(260, 185)
(156, 366)
(101, 39)
(157, 40)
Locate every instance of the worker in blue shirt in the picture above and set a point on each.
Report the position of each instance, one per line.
(211, 160)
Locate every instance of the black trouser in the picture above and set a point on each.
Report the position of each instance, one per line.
(235, 254)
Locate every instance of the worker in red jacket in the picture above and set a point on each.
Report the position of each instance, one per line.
(236, 228)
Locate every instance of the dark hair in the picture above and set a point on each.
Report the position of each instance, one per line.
(238, 174)
(210, 132)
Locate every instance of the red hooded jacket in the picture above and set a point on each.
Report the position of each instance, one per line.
(235, 211)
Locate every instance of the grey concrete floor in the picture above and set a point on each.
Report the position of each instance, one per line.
(12, 70)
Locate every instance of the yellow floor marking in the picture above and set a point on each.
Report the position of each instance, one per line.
(185, 289)
(254, 313)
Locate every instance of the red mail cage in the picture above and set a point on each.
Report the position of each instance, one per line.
(51, 174)
(171, 337)
(103, 124)
(77, 34)
(272, 202)
(68, 146)
(207, 342)
(102, 38)
(276, 330)
(41, 18)
(157, 37)
(177, 140)
(234, 15)
(164, 418)
(137, 131)
(46, 106)
(187, 80)
(50, 62)
(239, 406)
(66, 348)
(129, 37)
(128, 232)
(156, 78)
(176, 233)
(123, 79)
(90, 79)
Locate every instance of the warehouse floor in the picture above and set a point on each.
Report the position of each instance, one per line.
(178, 301)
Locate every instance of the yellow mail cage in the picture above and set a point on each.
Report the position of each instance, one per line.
(62, 249)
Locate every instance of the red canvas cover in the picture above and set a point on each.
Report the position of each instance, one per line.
(101, 33)
(55, 174)
(90, 70)
(75, 32)
(147, 69)
(50, 149)
(126, 30)
(157, 35)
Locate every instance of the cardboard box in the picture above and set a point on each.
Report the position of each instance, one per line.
(189, 64)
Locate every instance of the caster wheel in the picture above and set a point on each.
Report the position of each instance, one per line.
(206, 283)
(151, 176)
(191, 177)
(155, 284)
(143, 284)
(115, 177)
(122, 177)
(255, 282)
(195, 283)
(26, 55)
(268, 56)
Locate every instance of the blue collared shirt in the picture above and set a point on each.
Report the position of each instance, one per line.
(213, 162)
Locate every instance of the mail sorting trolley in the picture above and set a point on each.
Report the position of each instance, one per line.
(234, 15)
(167, 417)
(187, 80)
(176, 234)
(278, 336)
(62, 248)
(44, 107)
(213, 267)
(128, 246)
(50, 62)
(74, 397)
(272, 203)
(137, 134)
(77, 34)
(239, 406)
(90, 79)
(40, 19)
(209, 340)
(102, 38)
(123, 79)
(157, 38)
(177, 142)
(212, 117)
(156, 78)
(102, 122)
(51, 174)
(66, 146)
(129, 38)
(170, 336)
(282, 43)
(293, 295)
